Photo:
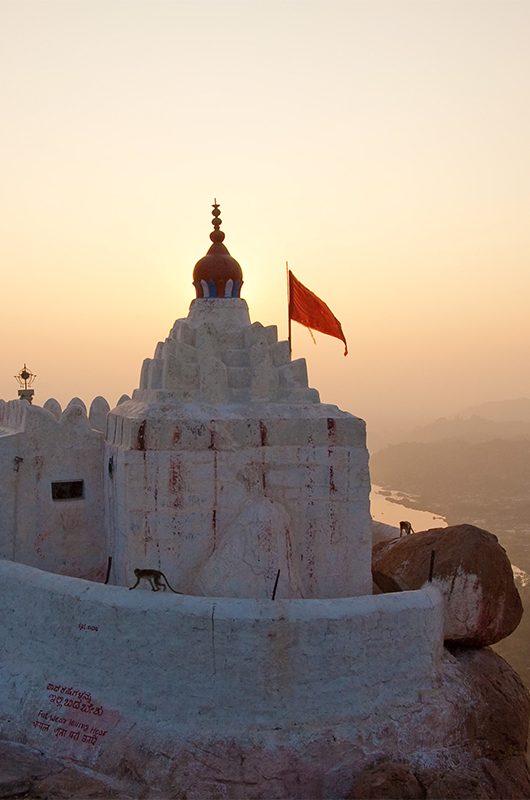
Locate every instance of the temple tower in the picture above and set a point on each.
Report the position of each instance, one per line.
(224, 467)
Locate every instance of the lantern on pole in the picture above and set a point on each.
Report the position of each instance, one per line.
(25, 380)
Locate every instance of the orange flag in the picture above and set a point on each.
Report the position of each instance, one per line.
(309, 310)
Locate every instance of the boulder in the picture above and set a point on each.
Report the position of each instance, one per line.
(471, 784)
(473, 572)
(381, 532)
(388, 779)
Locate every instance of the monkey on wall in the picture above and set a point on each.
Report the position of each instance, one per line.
(156, 578)
(405, 527)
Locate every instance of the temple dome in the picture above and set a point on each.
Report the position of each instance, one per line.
(217, 274)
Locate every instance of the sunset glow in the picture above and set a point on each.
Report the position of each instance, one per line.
(380, 147)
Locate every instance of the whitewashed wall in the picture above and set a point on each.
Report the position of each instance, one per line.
(140, 673)
(36, 449)
(9, 450)
(200, 485)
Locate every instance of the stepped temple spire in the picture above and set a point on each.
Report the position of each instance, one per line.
(217, 274)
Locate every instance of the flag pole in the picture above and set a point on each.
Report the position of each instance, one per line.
(288, 305)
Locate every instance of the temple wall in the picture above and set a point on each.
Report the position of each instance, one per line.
(9, 450)
(220, 505)
(40, 449)
(130, 670)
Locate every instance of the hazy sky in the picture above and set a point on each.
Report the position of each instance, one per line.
(381, 147)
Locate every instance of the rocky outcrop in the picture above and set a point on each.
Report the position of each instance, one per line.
(387, 780)
(498, 719)
(381, 532)
(473, 572)
(496, 726)
(490, 738)
(28, 773)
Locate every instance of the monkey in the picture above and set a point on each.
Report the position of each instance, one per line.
(405, 527)
(154, 576)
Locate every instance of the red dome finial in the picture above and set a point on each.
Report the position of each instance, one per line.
(217, 274)
(216, 235)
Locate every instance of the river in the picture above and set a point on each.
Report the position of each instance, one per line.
(385, 509)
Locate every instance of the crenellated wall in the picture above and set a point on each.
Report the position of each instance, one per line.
(45, 452)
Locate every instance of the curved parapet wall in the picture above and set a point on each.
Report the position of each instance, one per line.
(136, 673)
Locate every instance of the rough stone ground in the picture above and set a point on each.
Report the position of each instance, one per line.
(27, 773)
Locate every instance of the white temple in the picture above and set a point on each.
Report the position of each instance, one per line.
(224, 471)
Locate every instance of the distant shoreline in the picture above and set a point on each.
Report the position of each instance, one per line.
(390, 506)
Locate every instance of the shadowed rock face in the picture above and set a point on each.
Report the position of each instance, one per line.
(473, 572)
(492, 743)
(498, 720)
(28, 773)
(387, 780)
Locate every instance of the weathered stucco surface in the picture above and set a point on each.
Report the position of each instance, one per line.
(199, 482)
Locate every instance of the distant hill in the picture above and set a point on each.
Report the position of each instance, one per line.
(453, 477)
(497, 419)
(501, 410)
(470, 429)
(479, 460)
